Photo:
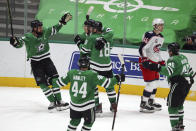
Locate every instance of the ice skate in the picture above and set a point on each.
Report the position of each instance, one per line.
(181, 126)
(98, 108)
(144, 107)
(61, 105)
(156, 106)
(176, 128)
(52, 107)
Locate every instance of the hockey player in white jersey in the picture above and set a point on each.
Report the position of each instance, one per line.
(150, 52)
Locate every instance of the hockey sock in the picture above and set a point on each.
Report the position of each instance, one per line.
(181, 112)
(47, 92)
(87, 127)
(73, 124)
(146, 95)
(56, 90)
(96, 97)
(173, 115)
(111, 96)
(153, 94)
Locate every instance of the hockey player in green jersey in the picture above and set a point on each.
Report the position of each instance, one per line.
(83, 84)
(180, 77)
(43, 68)
(98, 48)
(107, 33)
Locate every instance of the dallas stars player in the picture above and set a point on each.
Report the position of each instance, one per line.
(180, 76)
(82, 88)
(98, 48)
(43, 69)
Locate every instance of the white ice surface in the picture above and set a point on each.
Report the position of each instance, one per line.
(25, 109)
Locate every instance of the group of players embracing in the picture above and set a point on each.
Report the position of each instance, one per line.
(95, 68)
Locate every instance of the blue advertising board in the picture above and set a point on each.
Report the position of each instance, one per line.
(132, 69)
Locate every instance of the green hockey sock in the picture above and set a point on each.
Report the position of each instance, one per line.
(47, 92)
(96, 96)
(173, 115)
(181, 112)
(73, 124)
(56, 90)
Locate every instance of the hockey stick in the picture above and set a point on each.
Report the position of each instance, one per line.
(89, 12)
(122, 64)
(10, 16)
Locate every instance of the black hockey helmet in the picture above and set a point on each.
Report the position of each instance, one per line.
(98, 25)
(84, 62)
(89, 22)
(174, 48)
(36, 23)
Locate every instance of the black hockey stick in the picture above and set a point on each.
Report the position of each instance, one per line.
(10, 17)
(122, 64)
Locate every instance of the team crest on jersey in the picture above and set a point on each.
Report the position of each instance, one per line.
(157, 48)
(41, 47)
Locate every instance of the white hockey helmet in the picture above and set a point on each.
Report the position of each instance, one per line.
(157, 21)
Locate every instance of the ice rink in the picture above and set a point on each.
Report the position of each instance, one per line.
(25, 109)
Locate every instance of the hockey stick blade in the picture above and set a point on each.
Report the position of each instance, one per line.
(121, 59)
(89, 12)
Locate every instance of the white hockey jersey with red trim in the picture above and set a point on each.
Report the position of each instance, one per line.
(151, 45)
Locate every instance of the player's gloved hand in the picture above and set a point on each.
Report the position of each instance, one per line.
(155, 67)
(100, 42)
(120, 77)
(113, 107)
(65, 18)
(14, 41)
(78, 40)
(162, 63)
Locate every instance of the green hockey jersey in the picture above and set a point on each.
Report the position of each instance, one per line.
(82, 87)
(177, 65)
(38, 48)
(99, 59)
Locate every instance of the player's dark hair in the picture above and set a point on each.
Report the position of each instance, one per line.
(84, 62)
(98, 25)
(174, 48)
(36, 23)
(89, 22)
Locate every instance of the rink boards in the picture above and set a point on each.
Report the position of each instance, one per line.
(15, 70)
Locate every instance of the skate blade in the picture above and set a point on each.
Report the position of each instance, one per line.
(146, 111)
(158, 109)
(52, 110)
(62, 108)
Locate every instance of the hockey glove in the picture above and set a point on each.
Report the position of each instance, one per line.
(100, 42)
(14, 41)
(120, 77)
(65, 18)
(151, 66)
(78, 40)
